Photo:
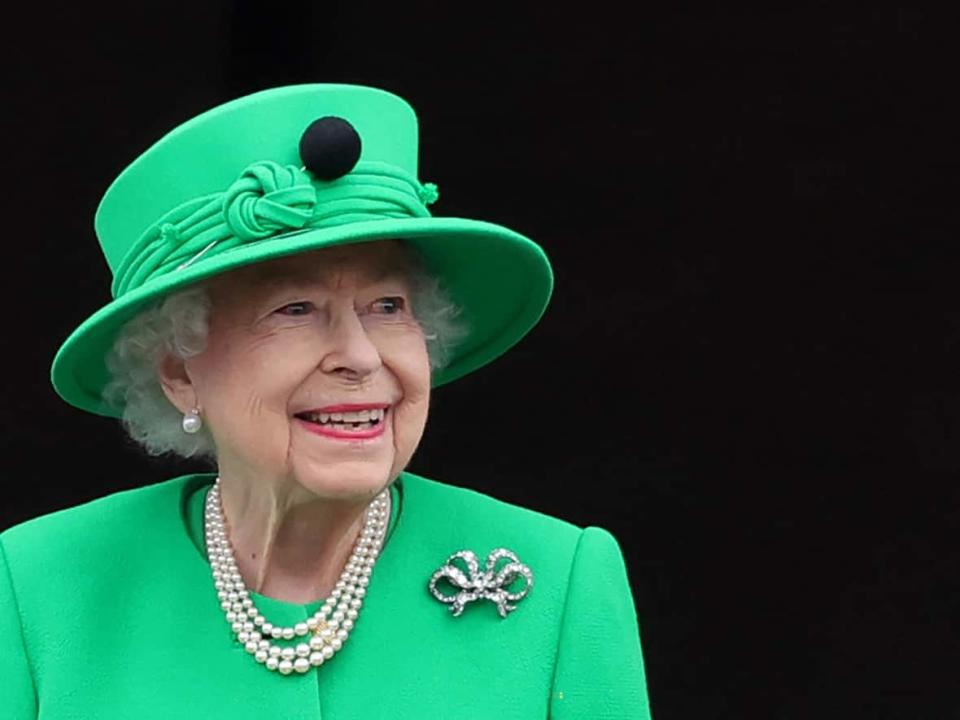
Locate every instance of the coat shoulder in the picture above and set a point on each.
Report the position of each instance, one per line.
(105, 524)
(460, 514)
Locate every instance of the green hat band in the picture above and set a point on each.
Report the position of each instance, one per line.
(269, 200)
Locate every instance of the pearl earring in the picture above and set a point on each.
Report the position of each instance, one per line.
(192, 422)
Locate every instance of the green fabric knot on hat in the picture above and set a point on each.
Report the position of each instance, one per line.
(169, 233)
(429, 193)
(266, 198)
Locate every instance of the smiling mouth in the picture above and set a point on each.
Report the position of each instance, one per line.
(354, 421)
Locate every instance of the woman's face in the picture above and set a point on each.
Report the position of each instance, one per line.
(315, 371)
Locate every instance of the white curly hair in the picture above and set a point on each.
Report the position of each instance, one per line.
(178, 325)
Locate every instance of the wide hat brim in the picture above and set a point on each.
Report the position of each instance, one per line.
(499, 279)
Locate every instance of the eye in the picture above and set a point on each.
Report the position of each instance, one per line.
(389, 305)
(295, 309)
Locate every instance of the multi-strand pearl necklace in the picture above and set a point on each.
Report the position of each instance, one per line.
(328, 628)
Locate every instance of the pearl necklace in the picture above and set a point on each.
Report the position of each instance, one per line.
(328, 628)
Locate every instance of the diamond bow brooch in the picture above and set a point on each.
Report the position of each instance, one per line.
(470, 584)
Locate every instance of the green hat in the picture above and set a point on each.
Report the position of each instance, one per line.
(284, 171)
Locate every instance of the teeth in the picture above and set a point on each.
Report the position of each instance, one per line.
(361, 416)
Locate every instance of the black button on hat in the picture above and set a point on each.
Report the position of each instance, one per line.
(330, 147)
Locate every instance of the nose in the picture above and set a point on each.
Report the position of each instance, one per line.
(350, 352)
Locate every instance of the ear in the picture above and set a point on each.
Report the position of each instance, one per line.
(176, 383)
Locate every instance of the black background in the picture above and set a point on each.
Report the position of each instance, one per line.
(748, 371)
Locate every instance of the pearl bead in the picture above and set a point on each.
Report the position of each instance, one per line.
(272, 663)
(287, 633)
(316, 643)
(266, 628)
(348, 625)
(288, 653)
(261, 656)
(251, 646)
(274, 651)
(301, 665)
(327, 652)
(301, 628)
(191, 423)
(336, 643)
(243, 636)
(303, 649)
(316, 659)
(286, 667)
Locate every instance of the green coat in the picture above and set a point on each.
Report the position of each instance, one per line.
(108, 610)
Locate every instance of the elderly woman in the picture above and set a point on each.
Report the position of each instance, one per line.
(283, 304)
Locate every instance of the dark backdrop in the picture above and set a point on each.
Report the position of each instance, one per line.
(747, 372)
